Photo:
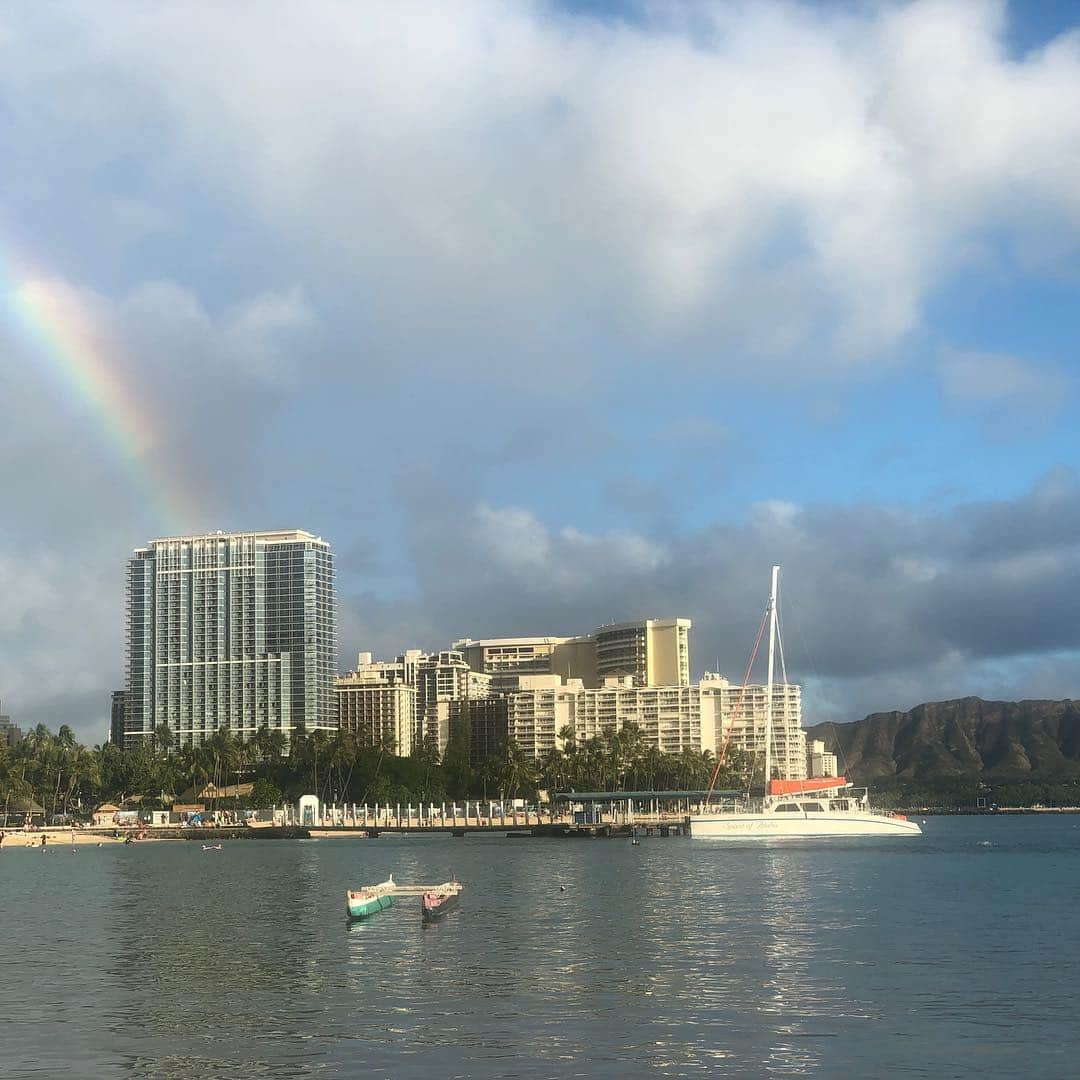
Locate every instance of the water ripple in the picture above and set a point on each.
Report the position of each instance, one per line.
(669, 959)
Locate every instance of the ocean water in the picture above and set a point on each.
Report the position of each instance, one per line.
(953, 955)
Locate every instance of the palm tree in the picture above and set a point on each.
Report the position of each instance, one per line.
(624, 748)
(222, 750)
(589, 760)
(109, 764)
(63, 746)
(342, 760)
(195, 762)
(552, 769)
(12, 782)
(519, 772)
(243, 761)
(83, 769)
(318, 749)
(33, 752)
(162, 740)
(260, 744)
(269, 746)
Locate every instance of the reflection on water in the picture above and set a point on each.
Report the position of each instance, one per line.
(669, 959)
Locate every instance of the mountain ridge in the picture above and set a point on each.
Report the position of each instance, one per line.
(969, 736)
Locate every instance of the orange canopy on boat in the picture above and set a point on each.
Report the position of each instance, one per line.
(801, 787)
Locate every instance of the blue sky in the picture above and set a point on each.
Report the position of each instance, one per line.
(551, 313)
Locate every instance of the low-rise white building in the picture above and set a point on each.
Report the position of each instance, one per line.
(669, 717)
(674, 718)
(377, 711)
(742, 713)
(541, 707)
(538, 711)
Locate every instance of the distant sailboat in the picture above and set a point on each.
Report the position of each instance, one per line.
(815, 807)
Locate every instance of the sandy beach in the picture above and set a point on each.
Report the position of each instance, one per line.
(61, 838)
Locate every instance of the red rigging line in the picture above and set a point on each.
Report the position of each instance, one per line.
(738, 706)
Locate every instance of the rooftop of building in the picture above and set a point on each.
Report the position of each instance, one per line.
(637, 624)
(632, 624)
(371, 679)
(496, 642)
(269, 536)
(625, 683)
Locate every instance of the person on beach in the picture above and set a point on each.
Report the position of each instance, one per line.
(43, 839)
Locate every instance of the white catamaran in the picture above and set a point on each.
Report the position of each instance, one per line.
(822, 806)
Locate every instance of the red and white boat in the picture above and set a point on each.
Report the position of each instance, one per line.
(441, 899)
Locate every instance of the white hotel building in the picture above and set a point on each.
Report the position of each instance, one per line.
(650, 652)
(744, 717)
(672, 718)
(381, 698)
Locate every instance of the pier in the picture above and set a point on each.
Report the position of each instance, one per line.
(547, 830)
(569, 814)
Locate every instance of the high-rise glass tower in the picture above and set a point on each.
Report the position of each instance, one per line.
(236, 629)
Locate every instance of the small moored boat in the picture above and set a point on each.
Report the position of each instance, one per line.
(368, 899)
(438, 901)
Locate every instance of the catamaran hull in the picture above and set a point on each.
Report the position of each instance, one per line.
(363, 908)
(748, 826)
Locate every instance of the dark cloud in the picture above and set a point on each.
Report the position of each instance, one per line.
(873, 596)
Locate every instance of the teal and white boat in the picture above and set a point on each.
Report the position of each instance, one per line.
(368, 899)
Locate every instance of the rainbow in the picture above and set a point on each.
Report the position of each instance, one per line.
(67, 341)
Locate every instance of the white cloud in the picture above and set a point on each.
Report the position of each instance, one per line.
(514, 544)
(717, 178)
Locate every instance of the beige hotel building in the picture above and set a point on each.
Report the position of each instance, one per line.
(650, 652)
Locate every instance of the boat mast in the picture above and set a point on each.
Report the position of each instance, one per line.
(768, 688)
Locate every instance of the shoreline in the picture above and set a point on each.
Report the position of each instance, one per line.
(59, 838)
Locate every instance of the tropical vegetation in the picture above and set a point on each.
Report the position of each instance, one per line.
(55, 775)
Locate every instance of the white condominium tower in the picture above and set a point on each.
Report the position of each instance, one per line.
(231, 628)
